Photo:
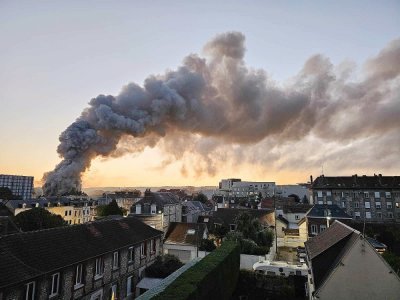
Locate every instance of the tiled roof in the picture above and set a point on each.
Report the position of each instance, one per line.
(159, 198)
(356, 181)
(228, 216)
(336, 232)
(297, 208)
(177, 233)
(30, 254)
(323, 210)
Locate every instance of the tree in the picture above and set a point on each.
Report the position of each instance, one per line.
(6, 194)
(110, 209)
(38, 218)
(393, 260)
(163, 266)
(219, 231)
(201, 197)
(253, 238)
(248, 225)
(207, 245)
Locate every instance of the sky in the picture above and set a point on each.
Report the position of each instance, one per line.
(57, 55)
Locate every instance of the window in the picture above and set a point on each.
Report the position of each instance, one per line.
(329, 202)
(319, 194)
(232, 227)
(271, 273)
(356, 205)
(55, 283)
(114, 291)
(115, 260)
(379, 215)
(377, 195)
(366, 195)
(368, 215)
(397, 204)
(377, 205)
(130, 254)
(389, 205)
(329, 193)
(69, 212)
(142, 249)
(322, 228)
(320, 202)
(153, 246)
(388, 195)
(314, 229)
(129, 286)
(99, 267)
(78, 275)
(390, 215)
(367, 205)
(357, 214)
(343, 204)
(296, 217)
(66, 213)
(30, 291)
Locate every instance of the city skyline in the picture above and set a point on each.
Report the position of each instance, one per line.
(62, 55)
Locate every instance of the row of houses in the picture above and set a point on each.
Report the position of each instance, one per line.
(97, 260)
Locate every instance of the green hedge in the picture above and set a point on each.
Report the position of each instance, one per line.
(214, 277)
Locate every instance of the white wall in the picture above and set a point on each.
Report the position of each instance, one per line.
(362, 274)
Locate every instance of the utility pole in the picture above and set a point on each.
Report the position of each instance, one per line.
(276, 237)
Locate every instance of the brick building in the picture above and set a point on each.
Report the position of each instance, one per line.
(98, 260)
(370, 198)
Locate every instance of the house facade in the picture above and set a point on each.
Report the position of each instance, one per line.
(158, 209)
(319, 218)
(183, 240)
(344, 265)
(100, 260)
(73, 211)
(370, 198)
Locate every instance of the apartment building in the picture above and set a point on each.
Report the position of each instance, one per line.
(101, 260)
(370, 198)
(235, 187)
(21, 186)
(72, 210)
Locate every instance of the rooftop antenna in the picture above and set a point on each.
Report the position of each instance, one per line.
(322, 169)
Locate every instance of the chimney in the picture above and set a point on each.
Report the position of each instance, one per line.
(311, 179)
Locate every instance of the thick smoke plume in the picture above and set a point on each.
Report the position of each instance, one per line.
(224, 107)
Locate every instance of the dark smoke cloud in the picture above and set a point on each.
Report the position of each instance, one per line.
(219, 110)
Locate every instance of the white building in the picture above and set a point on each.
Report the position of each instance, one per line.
(235, 187)
(21, 186)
